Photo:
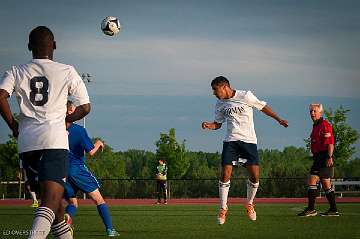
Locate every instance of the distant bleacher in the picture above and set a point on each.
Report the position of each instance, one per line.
(342, 187)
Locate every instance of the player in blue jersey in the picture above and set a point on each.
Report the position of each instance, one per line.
(79, 176)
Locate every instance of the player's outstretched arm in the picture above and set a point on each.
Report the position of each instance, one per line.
(6, 113)
(268, 111)
(98, 145)
(80, 112)
(211, 125)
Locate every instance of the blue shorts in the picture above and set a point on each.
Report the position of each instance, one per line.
(80, 178)
(239, 153)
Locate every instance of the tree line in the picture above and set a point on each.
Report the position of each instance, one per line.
(130, 174)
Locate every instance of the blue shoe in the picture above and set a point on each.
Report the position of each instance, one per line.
(112, 233)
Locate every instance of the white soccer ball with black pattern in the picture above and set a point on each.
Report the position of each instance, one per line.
(110, 26)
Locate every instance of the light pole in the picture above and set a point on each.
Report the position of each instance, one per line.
(87, 78)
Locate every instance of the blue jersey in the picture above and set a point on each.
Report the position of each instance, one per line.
(79, 142)
(79, 176)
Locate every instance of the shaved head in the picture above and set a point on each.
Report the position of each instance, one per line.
(41, 42)
(41, 36)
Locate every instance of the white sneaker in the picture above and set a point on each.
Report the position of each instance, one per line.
(222, 216)
(250, 211)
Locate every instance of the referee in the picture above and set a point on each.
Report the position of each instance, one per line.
(322, 148)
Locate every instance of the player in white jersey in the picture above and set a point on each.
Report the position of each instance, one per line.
(42, 87)
(235, 107)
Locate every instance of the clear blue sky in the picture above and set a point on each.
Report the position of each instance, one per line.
(166, 48)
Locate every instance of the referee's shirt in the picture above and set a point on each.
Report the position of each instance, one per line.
(321, 136)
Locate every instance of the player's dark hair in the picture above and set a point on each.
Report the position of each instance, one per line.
(220, 80)
(40, 37)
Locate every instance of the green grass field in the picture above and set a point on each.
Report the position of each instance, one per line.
(176, 221)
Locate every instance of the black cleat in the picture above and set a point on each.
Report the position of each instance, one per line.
(330, 213)
(307, 213)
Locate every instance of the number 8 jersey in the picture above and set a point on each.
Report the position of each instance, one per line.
(42, 88)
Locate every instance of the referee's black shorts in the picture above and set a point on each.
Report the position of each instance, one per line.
(319, 166)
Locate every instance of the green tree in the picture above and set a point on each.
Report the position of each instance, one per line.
(108, 167)
(345, 136)
(174, 153)
(352, 169)
(9, 162)
(106, 164)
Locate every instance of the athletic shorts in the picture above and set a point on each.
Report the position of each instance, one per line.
(239, 153)
(161, 184)
(319, 166)
(80, 178)
(45, 165)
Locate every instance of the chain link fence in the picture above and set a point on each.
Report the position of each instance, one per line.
(188, 188)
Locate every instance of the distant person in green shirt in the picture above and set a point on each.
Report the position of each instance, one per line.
(161, 184)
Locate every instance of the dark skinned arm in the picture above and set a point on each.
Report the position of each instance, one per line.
(80, 112)
(6, 113)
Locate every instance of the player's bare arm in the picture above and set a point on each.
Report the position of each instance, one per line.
(6, 113)
(330, 161)
(268, 111)
(211, 125)
(80, 112)
(98, 145)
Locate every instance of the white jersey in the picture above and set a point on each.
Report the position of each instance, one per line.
(42, 88)
(237, 112)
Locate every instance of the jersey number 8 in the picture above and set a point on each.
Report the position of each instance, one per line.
(39, 85)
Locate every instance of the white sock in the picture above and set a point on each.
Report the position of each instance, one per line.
(223, 193)
(61, 231)
(251, 191)
(44, 217)
(33, 196)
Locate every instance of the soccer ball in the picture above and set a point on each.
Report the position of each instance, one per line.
(110, 26)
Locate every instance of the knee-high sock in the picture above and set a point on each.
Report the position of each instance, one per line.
(44, 217)
(223, 193)
(61, 231)
(71, 210)
(330, 195)
(251, 191)
(33, 196)
(104, 213)
(165, 191)
(312, 191)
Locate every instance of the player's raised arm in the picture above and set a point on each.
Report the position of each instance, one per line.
(211, 125)
(268, 111)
